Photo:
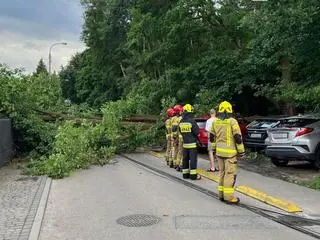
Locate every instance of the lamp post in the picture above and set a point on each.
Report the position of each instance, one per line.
(50, 61)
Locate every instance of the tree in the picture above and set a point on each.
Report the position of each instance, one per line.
(41, 68)
(198, 51)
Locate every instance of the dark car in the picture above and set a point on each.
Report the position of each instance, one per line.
(256, 133)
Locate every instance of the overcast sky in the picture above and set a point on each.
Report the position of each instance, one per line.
(29, 27)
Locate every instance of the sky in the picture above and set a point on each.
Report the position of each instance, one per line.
(29, 27)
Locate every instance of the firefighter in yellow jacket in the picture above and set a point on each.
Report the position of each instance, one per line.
(177, 138)
(168, 125)
(174, 136)
(227, 145)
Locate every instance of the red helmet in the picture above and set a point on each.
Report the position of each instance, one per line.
(178, 109)
(170, 112)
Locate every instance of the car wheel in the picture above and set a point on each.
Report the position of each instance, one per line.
(316, 162)
(279, 162)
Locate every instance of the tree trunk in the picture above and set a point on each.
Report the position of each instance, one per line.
(286, 76)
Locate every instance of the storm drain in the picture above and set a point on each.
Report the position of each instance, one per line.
(138, 220)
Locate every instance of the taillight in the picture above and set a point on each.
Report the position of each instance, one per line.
(304, 131)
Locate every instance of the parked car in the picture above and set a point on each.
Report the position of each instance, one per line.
(256, 133)
(295, 138)
(203, 135)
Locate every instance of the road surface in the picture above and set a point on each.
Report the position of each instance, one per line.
(92, 204)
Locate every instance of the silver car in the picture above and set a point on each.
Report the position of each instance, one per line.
(295, 138)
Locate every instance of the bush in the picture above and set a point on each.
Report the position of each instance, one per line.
(300, 95)
(76, 147)
(21, 97)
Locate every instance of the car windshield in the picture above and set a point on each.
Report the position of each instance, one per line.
(201, 124)
(263, 124)
(296, 122)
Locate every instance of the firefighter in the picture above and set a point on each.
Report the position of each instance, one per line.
(174, 141)
(170, 113)
(178, 140)
(227, 145)
(189, 131)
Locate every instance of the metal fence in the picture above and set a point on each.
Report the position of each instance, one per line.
(6, 142)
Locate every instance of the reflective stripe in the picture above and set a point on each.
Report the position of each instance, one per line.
(220, 122)
(240, 148)
(228, 136)
(228, 190)
(193, 171)
(185, 171)
(189, 145)
(223, 150)
(220, 188)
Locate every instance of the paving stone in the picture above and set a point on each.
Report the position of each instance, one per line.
(19, 199)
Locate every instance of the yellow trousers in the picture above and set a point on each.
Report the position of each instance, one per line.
(177, 151)
(178, 159)
(227, 177)
(174, 150)
(169, 149)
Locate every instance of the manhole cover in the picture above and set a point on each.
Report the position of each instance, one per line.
(138, 220)
(27, 179)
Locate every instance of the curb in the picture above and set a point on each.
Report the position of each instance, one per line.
(156, 154)
(208, 175)
(270, 200)
(260, 196)
(36, 226)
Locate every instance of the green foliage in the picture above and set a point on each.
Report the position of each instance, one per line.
(207, 99)
(194, 51)
(75, 147)
(304, 96)
(20, 98)
(314, 184)
(41, 68)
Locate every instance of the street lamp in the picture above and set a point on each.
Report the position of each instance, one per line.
(59, 43)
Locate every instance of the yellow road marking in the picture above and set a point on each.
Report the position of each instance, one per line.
(156, 154)
(263, 197)
(273, 201)
(208, 175)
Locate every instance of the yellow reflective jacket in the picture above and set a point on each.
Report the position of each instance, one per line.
(177, 131)
(175, 123)
(224, 131)
(168, 126)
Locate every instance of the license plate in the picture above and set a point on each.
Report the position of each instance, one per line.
(255, 135)
(280, 135)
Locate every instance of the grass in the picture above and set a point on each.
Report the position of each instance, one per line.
(314, 184)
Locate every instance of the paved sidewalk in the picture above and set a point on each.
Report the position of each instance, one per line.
(19, 200)
(306, 198)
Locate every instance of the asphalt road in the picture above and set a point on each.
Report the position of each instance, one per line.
(90, 204)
